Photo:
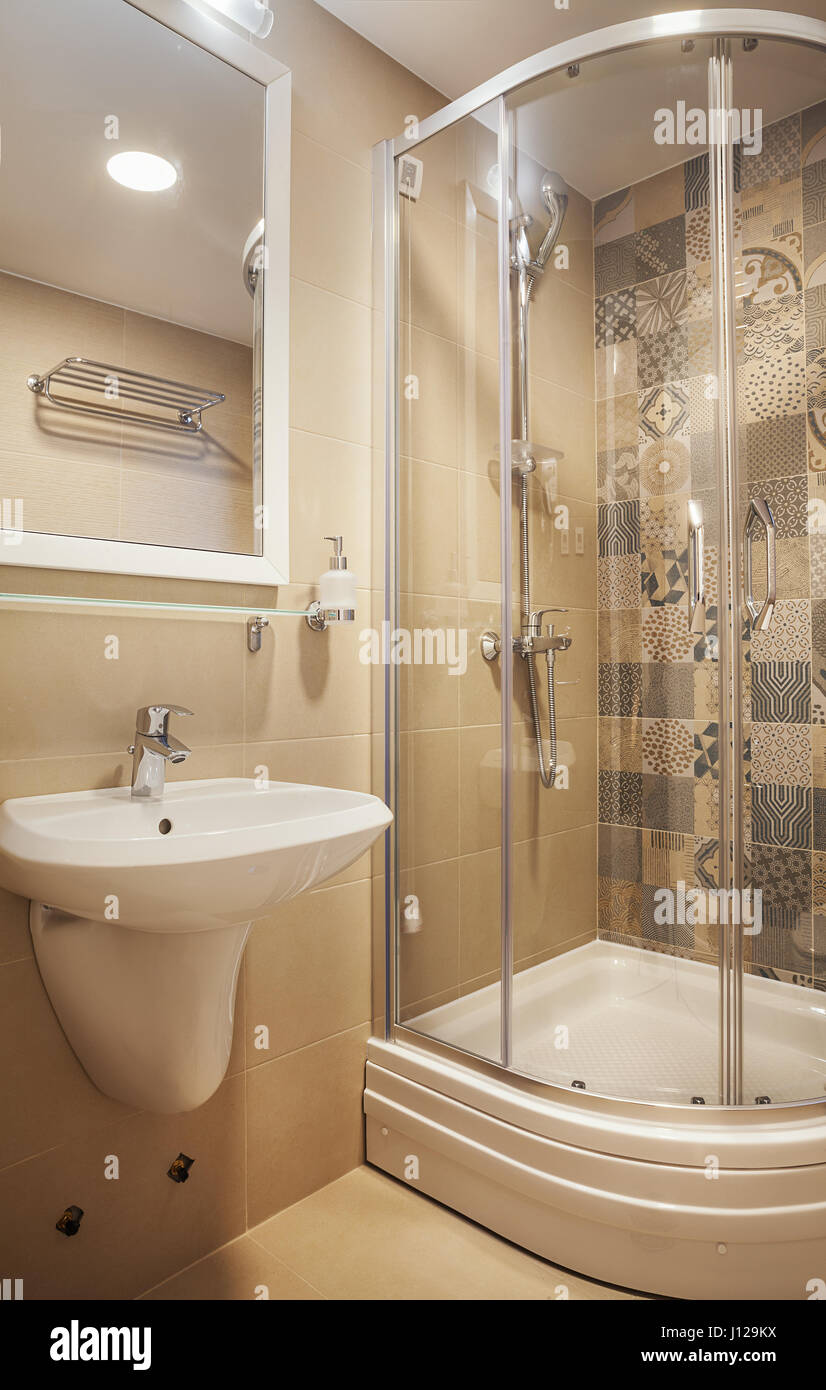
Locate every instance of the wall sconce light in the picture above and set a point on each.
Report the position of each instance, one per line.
(253, 15)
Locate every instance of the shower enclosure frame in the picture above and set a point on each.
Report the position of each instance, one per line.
(474, 1118)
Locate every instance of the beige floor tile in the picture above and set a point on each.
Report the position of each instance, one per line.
(368, 1237)
(240, 1270)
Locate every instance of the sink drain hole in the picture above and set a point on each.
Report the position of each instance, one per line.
(165, 826)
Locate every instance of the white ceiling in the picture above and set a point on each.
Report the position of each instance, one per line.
(597, 130)
(65, 67)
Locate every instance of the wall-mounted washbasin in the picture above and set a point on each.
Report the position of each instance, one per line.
(149, 907)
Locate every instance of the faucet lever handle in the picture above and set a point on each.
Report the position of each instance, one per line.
(154, 719)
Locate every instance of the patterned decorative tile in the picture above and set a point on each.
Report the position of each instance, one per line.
(616, 368)
(663, 576)
(672, 936)
(819, 818)
(664, 520)
(668, 803)
(814, 255)
(818, 565)
(667, 690)
(699, 348)
(664, 466)
(619, 635)
(781, 753)
(663, 412)
(618, 528)
(618, 906)
(781, 815)
(773, 327)
(619, 853)
(619, 688)
(774, 448)
(662, 356)
(784, 942)
(667, 747)
(620, 745)
(781, 692)
(662, 304)
(703, 450)
(769, 272)
(614, 216)
(819, 757)
(789, 637)
(819, 881)
(814, 193)
(667, 858)
(695, 175)
(813, 134)
(620, 797)
(618, 476)
(658, 197)
(779, 156)
(793, 567)
(615, 317)
(660, 249)
(784, 876)
(706, 690)
(702, 409)
(706, 862)
(615, 265)
(617, 422)
(789, 502)
(819, 644)
(770, 388)
(619, 581)
(666, 636)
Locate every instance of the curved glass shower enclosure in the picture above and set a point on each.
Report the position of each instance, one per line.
(605, 427)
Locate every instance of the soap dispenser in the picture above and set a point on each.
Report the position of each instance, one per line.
(337, 587)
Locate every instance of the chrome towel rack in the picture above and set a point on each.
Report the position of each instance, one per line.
(185, 403)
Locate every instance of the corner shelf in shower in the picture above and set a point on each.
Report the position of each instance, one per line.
(184, 403)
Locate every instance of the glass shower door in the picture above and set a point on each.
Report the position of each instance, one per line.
(780, 291)
(616, 537)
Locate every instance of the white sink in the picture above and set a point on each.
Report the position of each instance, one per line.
(208, 854)
(141, 910)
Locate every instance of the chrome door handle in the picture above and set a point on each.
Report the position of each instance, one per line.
(759, 514)
(696, 568)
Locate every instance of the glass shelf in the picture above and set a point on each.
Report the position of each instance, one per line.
(90, 601)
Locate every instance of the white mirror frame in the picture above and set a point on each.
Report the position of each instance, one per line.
(47, 551)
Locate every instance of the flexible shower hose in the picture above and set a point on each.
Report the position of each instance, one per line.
(547, 774)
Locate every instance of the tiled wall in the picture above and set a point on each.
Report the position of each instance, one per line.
(84, 476)
(659, 763)
(286, 1120)
(450, 575)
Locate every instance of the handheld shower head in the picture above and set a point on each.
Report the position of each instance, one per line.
(555, 198)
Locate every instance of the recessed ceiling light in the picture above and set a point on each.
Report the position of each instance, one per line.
(148, 173)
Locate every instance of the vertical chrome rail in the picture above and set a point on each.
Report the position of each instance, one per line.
(729, 666)
(505, 560)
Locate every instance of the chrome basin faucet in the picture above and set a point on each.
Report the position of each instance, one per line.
(153, 748)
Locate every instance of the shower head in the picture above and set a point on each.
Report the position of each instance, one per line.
(554, 192)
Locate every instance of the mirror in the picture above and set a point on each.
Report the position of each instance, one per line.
(136, 289)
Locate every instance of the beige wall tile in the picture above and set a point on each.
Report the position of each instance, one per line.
(141, 1227)
(429, 400)
(330, 489)
(59, 694)
(554, 890)
(429, 692)
(429, 957)
(429, 540)
(331, 217)
(313, 684)
(304, 1122)
(427, 269)
(15, 941)
(330, 368)
(540, 812)
(480, 915)
(429, 806)
(308, 970)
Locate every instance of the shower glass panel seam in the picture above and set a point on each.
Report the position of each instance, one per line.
(505, 136)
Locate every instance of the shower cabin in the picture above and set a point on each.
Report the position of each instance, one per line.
(601, 342)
